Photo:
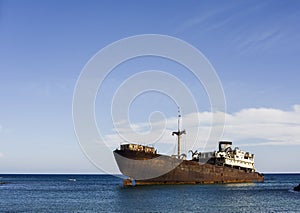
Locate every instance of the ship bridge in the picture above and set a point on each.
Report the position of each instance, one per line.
(226, 156)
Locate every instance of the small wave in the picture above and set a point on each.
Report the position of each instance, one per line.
(293, 191)
(72, 179)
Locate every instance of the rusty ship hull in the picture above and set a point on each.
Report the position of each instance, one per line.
(153, 169)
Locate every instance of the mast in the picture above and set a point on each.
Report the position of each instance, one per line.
(178, 133)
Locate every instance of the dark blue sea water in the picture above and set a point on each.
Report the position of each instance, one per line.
(105, 193)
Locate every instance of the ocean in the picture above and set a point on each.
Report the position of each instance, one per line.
(105, 193)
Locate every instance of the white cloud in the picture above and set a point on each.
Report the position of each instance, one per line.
(264, 126)
(1, 155)
(258, 39)
(204, 19)
(248, 127)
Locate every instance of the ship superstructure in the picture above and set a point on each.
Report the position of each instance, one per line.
(226, 156)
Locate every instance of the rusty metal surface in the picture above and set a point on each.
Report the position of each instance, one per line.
(186, 172)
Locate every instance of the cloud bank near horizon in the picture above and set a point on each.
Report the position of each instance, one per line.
(247, 127)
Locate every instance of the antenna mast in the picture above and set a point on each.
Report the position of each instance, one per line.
(178, 133)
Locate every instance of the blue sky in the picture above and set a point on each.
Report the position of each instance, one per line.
(254, 47)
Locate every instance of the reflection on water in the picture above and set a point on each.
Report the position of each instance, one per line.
(239, 185)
